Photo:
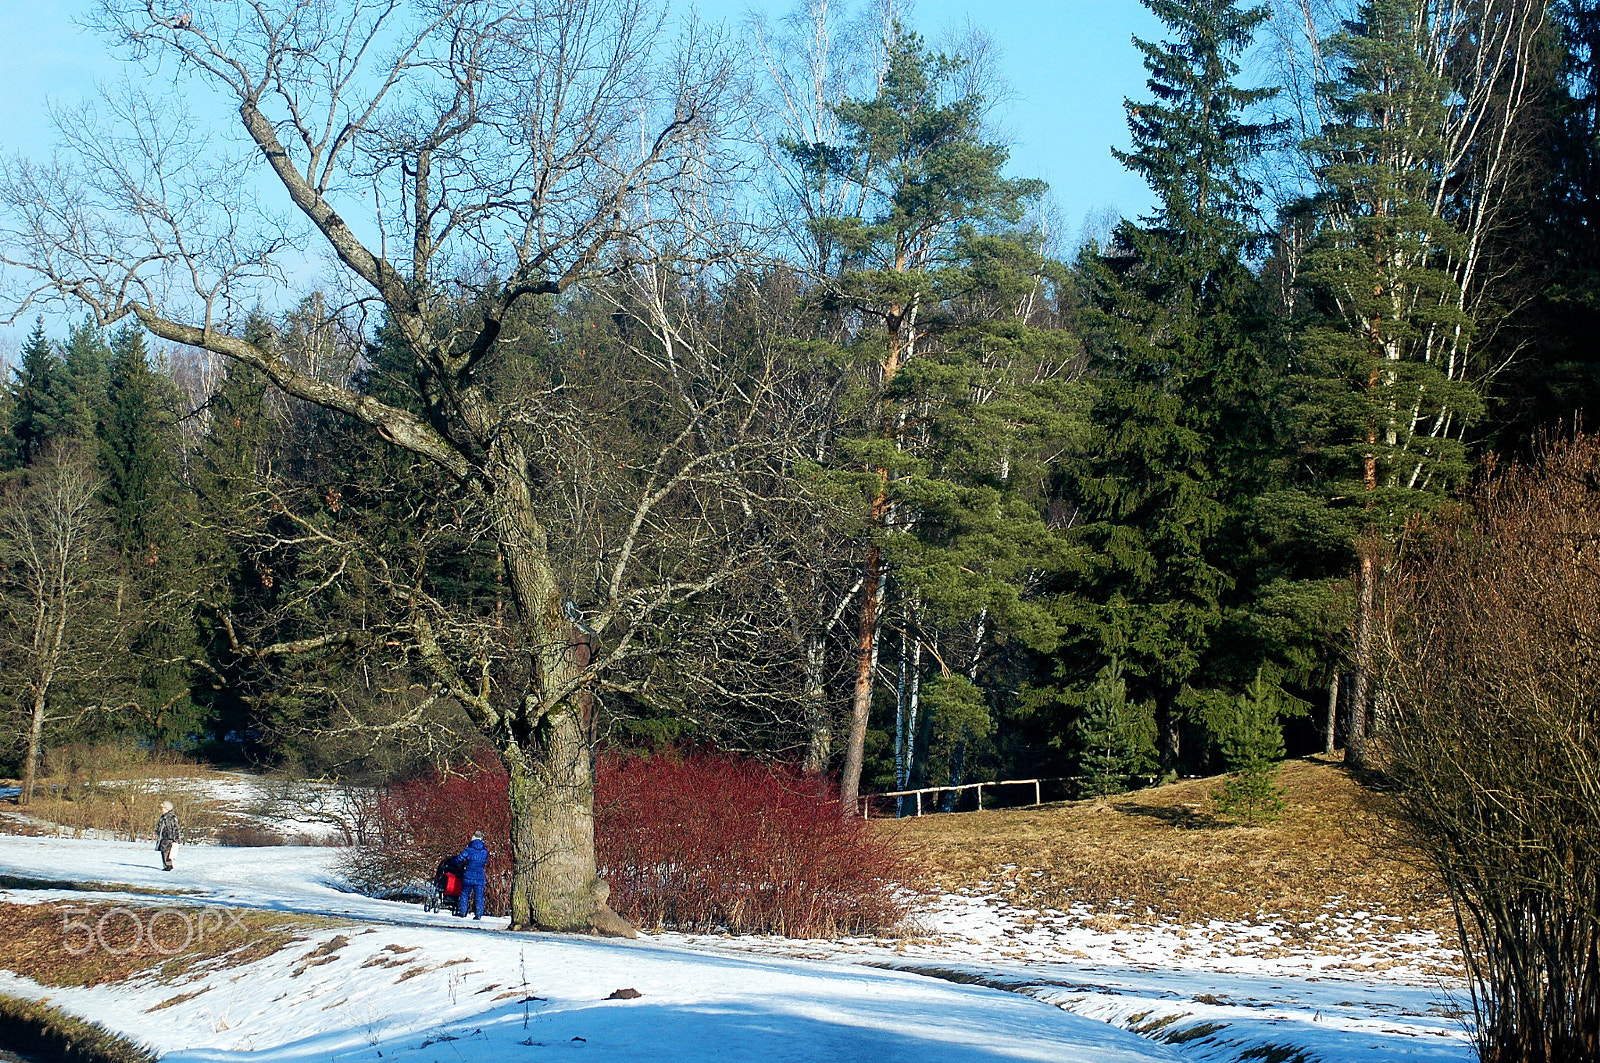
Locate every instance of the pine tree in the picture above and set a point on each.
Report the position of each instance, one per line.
(1116, 738)
(1249, 733)
(1173, 326)
(226, 475)
(927, 180)
(1387, 391)
(86, 358)
(138, 459)
(138, 452)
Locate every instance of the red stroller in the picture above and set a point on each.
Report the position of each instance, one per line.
(445, 889)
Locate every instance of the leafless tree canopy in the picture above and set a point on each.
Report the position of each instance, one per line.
(455, 159)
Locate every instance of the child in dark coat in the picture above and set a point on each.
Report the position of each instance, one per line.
(474, 858)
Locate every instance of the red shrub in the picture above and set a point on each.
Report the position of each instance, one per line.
(693, 842)
(419, 822)
(707, 842)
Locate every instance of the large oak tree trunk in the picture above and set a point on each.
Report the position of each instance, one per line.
(554, 881)
(547, 739)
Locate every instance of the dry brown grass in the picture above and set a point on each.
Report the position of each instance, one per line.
(118, 790)
(1157, 856)
(126, 809)
(37, 944)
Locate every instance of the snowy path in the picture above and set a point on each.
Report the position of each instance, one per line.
(427, 988)
(734, 999)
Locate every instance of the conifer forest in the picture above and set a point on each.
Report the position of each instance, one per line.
(533, 380)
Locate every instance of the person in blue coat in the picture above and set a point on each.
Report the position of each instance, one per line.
(474, 858)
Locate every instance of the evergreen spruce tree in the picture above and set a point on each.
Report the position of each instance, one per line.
(227, 474)
(139, 448)
(1249, 733)
(87, 359)
(1552, 375)
(1173, 326)
(41, 408)
(1116, 738)
(138, 452)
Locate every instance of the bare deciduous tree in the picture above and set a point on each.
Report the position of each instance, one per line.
(54, 575)
(1492, 658)
(455, 158)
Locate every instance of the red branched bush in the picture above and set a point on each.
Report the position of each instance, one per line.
(423, 820)
(709, 842)
(687, 842)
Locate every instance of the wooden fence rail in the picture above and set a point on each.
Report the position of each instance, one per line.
(1037, 784)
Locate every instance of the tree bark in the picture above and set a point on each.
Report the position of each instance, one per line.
(547, 738)
(30, 768)
(554, 880)
(1171, 752)
(1331, 722)
(1361, 673)
(861, 697)
(819, 721)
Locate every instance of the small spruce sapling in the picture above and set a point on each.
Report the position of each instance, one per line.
(1249, 732)
(1117, 739)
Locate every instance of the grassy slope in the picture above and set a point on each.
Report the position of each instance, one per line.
(1158, 856)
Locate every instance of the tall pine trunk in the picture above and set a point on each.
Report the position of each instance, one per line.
(861, 694)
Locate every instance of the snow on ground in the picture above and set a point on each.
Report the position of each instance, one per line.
(301, 810)
(1231, 989)
(426, 987)
(429, 988)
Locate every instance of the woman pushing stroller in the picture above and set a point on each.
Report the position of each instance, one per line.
(472, 861)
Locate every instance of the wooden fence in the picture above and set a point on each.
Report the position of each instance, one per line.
(1037, 784)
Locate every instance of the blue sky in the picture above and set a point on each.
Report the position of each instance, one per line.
(1070, 64)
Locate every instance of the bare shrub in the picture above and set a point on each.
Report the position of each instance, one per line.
(1493, 746)
(245, 834)
(117, 789)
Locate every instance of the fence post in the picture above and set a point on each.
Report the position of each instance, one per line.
(1037, 792)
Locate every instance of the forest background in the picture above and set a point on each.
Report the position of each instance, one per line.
(857, 462)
